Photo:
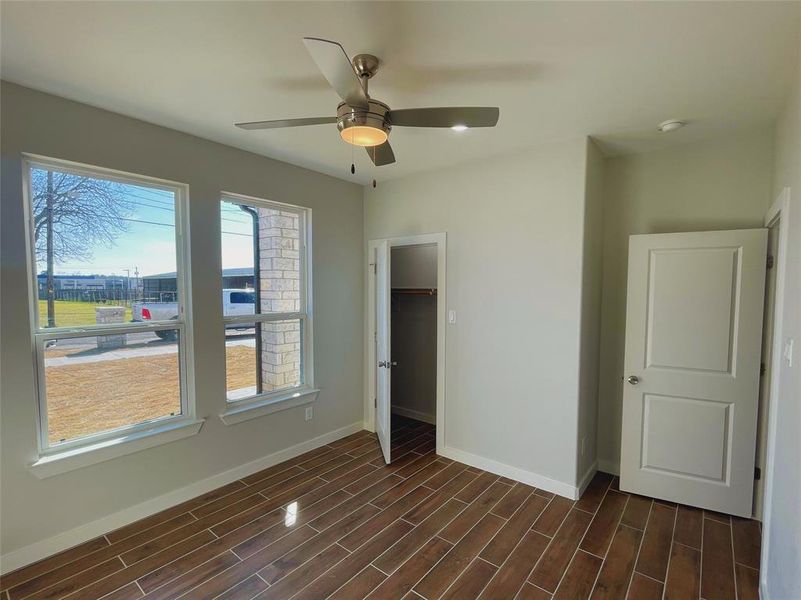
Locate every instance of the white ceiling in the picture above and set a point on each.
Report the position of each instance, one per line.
(556, 70)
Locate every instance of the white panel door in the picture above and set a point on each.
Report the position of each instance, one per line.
(382, 350)
(691, 383)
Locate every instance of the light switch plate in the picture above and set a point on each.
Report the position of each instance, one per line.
(788, 351)
(451, 317)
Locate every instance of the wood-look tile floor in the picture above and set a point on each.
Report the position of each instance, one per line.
(338, 523)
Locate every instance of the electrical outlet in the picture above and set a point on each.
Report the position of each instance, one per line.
(309, 413)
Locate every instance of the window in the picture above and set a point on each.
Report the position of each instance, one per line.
(243, 297)
(110, 343)
(266, 279)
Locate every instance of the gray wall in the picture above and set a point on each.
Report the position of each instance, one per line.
(783, 534)
(724, 184)
(514, 278)
(33, 509)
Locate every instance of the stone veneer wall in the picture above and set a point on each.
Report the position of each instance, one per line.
(279, 270)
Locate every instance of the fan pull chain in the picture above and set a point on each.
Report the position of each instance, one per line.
(352, 163)
(374, 164)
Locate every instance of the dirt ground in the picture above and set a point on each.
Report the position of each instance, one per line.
(89, 398)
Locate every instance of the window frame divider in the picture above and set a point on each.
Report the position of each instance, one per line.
(264, 317)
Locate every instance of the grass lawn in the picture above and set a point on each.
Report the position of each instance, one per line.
(92, 397)
(69, 313)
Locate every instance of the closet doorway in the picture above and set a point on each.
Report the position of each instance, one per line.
(413, 321)
(406, 339)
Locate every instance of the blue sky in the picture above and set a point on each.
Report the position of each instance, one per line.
(148, 244)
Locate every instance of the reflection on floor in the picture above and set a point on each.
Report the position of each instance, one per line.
(338, 523)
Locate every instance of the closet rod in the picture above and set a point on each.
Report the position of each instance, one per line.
(415, 291)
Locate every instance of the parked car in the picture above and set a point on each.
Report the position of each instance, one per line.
(235, 302)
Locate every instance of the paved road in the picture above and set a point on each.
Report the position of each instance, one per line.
(138, 345)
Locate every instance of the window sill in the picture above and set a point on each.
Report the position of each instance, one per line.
(76, 458)
(260, 407)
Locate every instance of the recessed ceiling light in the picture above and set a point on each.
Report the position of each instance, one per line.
(671, 125)
(459, 128)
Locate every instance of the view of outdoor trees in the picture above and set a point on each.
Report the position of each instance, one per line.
(73, 214)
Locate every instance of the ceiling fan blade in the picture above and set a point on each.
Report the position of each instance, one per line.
(381, 155)
(446, 116)
(333, 62)
(286, 123)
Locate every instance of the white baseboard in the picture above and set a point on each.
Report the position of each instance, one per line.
(586, 478)
(44, 548)
(417, 415)
(608, 466)
(528, 477)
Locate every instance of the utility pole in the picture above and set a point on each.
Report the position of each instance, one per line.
(127, 285)
(51, 292)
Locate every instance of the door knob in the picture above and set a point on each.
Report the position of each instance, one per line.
(385, 363)
(633, 379)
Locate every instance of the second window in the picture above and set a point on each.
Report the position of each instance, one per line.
(265, 299)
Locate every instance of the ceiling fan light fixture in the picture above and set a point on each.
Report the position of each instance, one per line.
(364, 135)
(364, 121)
(364, 127)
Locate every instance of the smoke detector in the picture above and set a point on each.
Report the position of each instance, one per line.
(671, 125)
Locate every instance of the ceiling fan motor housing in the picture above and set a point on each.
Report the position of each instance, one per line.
(371, 121)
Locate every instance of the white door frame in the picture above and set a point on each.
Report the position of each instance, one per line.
(440, 239)
(779, 211)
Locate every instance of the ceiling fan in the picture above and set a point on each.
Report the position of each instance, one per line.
(363, 121)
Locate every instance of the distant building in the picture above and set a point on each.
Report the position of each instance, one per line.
(89, 287)
(163, 286)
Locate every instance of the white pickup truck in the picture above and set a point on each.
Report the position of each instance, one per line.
(235, 302)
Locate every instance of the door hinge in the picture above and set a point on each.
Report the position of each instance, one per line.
(375, 402)
(762, 369)
(375, 268)
(757, 473)
(770, 261)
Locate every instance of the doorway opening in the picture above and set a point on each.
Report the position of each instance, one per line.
(405, 345)
(413, 324)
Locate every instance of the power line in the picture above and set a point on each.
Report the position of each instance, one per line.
(172, 210)
(148, 222)
(152, 199)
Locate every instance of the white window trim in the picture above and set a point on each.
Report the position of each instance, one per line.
(101, 451)
(267, 404)
(262, 404)
(91, 449)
